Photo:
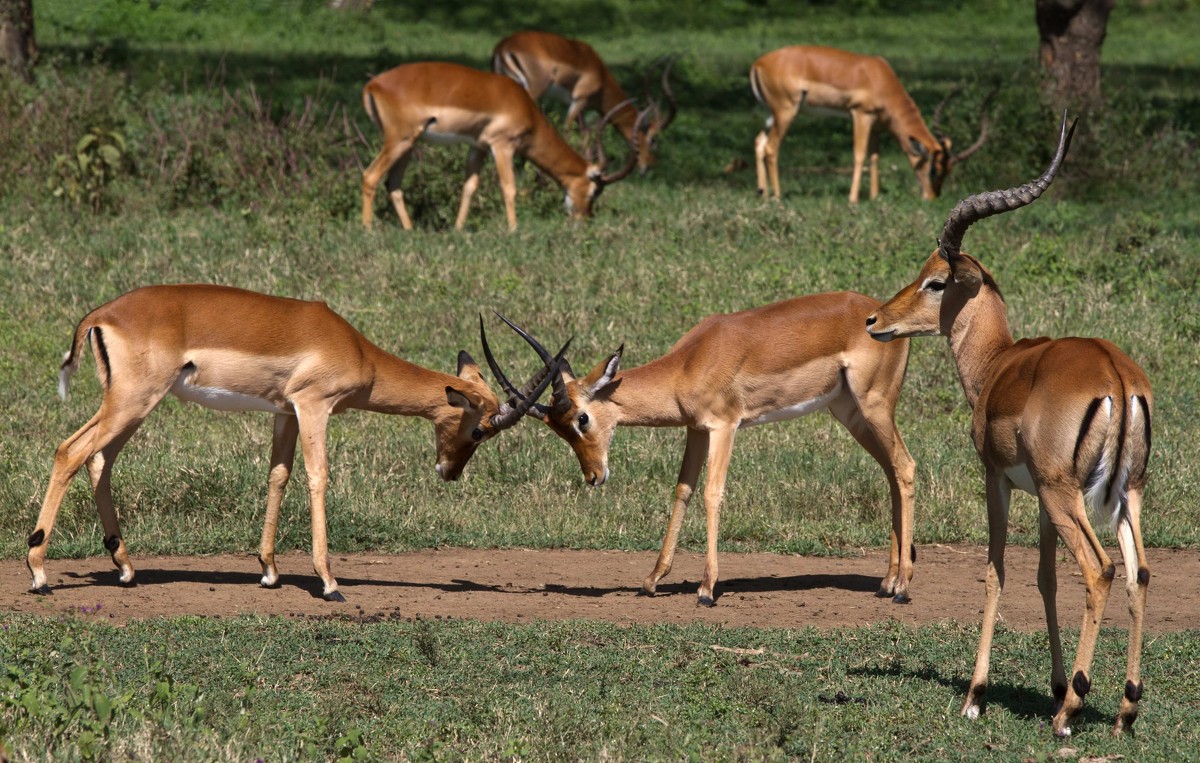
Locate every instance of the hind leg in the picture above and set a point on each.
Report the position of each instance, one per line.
(99, 468)
(1137, 578)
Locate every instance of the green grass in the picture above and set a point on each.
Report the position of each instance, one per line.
(278, 689)
(1108, 252)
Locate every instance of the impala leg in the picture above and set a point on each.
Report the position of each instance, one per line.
(1047, 581)
(720, 450)
(689, 473)
(871, 421)
(998, 494)
(99, 468)
(1065, 506)
(1137, 578)
(863, 123)
(313, 422)
(375, 172)
(766, 150)
(395, 188)
(283, 455)
(475, 159)
(873, 156)
(508, 182)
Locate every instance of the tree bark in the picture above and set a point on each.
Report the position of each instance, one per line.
(1072, 32)
(17, 46)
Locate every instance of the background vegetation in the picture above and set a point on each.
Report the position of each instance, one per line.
(222, 142)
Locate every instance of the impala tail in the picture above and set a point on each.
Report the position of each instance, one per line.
(84, 332)
(1122, 431)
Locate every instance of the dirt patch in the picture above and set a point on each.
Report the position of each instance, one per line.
(762, 590)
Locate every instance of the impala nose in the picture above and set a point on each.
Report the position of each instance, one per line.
(871, 319)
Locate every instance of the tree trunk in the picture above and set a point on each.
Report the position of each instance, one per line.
(1072, 32)
(17, 46)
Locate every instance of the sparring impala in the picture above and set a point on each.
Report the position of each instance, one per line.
(571, 71)
(448, 103)
(828, 80)
(1066, 420)
(235, 350)
(733, 371)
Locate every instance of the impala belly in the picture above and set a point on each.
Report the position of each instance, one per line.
(219, 380)
(795, 410)
(1019, 476)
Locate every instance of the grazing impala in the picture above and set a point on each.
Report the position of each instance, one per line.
(1066, 420)
(236, 350)
(771, 363)
(831, 80)
(571, 71)
(448, 103)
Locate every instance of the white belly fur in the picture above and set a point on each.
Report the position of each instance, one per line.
(1019, 476)
(796, 410)
(221, 399)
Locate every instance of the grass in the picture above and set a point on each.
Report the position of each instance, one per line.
(242, 167)
(285, 689)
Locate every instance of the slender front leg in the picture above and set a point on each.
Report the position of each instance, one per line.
(720, 450)
(862, 137)
(1137, 579)
(998, 493)
(508, 182)
(283, 455)
(475, 159)
(1047, 579)
(689, 473)
(313, 421)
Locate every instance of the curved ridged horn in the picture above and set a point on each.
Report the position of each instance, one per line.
(672, 105)
(639, 126)
(559, 400)
(937, 110)
(520, 401)
(984, 124)
(981, 205)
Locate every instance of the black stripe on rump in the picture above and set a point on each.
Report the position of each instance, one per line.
(1084, 428)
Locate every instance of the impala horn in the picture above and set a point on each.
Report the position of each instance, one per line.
(639, 126)
(522, 400)
(981, 205)
(672, 105)
(559, 401)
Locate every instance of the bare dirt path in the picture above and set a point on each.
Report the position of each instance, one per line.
(763, 590)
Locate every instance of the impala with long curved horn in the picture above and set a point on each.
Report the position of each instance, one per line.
(830, 80)
(733, 371)
(1066, 420)
(449, 103)
(571, 70)
(235, 350)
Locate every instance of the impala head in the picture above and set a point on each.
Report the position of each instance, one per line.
(949, 279)
(578, 411)
(582, 192)
(647, 140)
(932, 160)
(473, 414)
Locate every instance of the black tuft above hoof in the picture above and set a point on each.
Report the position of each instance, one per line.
(1133, 692)
(335, 596)
(901, 598)
(705, 601)
(1081, 684)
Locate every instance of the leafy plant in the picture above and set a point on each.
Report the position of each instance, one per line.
(85, 174)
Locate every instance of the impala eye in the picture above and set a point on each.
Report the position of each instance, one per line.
(477, 434)
(936, 285)
(583, 422)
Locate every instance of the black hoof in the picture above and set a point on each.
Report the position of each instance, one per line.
(882, 593)
(901, 598)
(272, 586)
(335, 596)
(644, 592)
(42, 591)
(705, 601)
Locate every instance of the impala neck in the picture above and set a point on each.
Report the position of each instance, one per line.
(404, 388)
(553, 155)
(904, 120)
(978, 337)
(640, 400)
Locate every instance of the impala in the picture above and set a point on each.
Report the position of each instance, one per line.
(733, 371)
(1066, 420)
(837, 81)
(448, 103)
(571, 71)
(235, 350)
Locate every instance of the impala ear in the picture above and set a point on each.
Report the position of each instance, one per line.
(468, 370)
(602, 375)
(458, 399)
(965, 272)
(917, 148)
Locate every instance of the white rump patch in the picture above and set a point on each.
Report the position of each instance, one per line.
(796, 410)
(220, 399)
